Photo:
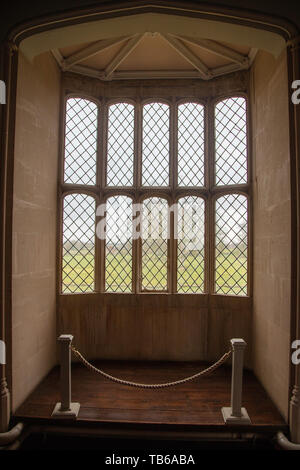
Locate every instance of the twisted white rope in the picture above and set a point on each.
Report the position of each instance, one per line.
(202, 373)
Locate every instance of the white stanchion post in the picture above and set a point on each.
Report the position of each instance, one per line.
(65, 408)
(235, 414)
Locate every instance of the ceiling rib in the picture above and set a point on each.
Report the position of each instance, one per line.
(58, 56)
(122, 54)
(136, 74)
(153, 74)
(87, 71)
(187, 54)
(252, 55)
(218, 49)
(238, 60)
(224, 69)
(91, 50)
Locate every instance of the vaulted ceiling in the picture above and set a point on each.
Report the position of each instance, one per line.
(154, 55)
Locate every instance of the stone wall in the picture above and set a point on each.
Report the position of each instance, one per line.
(34, 224)
(272, 226)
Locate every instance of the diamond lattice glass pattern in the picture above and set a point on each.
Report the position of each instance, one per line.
(78, 244)
(118, 261)
(120, 148)
(191, 242)
(156, 128)
(231, 244)
(80, 141)
(231, 141)
(190, 144)
(154, 244)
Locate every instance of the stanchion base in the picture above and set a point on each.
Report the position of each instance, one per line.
(229, 419)
(72, 413)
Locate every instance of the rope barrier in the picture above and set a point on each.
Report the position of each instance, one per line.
(202, 373)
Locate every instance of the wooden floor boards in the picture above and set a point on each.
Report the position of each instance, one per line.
(193, 406)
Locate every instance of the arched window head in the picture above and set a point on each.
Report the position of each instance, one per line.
(231, 141)
(81, 131)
